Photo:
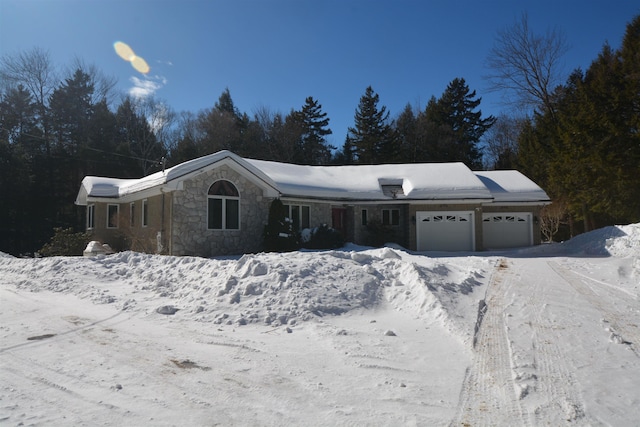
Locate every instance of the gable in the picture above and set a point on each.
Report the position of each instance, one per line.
(171, 179)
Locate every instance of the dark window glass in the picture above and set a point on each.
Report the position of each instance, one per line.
(395, 217)
(215, 214)
(364, 217)
(90, 216)
(385, 217)
(145, 213)
(305, 217)
(294, 216)
(112, 216)
(232, 214)
(223, 188)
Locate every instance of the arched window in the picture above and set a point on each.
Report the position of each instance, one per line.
(223, 206)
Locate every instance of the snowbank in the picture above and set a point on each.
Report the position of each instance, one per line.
(268, 288)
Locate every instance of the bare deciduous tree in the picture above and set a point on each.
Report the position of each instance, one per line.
(34, 70)
(551, 216)
(526, 66)
(103, 85)
(501, 143)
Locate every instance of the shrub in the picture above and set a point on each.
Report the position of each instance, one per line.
(65, 242)
(322, 237)
(279, 235)
(377, 234)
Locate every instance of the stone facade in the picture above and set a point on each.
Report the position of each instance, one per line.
(374, 233)
(189, 232)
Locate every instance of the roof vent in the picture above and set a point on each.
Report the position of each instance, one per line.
(391, 187)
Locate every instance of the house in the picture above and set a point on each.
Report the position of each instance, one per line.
(218, 205)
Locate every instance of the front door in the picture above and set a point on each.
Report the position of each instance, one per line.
(339, 219)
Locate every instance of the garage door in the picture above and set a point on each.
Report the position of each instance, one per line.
(445, 231)
(507, 230)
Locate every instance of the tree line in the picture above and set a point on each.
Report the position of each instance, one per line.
(583, 142)
(54, 132)
(578, 139)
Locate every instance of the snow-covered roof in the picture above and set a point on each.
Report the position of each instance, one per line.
(419, 181)
(93, 186)
(415, 181)
(511, 186)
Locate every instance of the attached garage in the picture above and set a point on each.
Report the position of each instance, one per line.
(445, 231)
(507, 230)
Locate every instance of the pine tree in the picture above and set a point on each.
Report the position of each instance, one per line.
(405, 127)
(454, 115)
(371, 131)
(314, 122)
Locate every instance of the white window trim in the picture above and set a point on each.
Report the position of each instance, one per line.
(390, 217)
(224, 212)
(91, 216)
(117, 219)
(300, 210)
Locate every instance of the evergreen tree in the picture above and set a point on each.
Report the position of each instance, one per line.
(223, 127)
(406, 129)
(20, 150)
(138, 145)
(346, 155)
(71, 110)
(454, 114)
(313, 144)
(371, 131)
(279, 235)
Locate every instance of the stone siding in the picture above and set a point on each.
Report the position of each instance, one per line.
(189, 232)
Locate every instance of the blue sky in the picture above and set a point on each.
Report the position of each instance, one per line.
(275, 53)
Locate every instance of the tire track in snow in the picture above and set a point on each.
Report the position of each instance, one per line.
(548, 376)
(624, 327)
(488, 395)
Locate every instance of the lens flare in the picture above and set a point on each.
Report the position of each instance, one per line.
(140, 65)
(125, 52)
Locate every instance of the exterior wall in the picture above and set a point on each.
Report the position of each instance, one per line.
(535, 211)
(99, 231)
(189, 232)
(374, 233)
(145, 238)
(133, 237)
(413, 244)
(319, 213)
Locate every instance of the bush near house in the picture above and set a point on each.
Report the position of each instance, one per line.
(65, 242)
(322, 237)
(279, 235)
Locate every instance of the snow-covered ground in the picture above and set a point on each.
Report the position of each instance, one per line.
(542, 336)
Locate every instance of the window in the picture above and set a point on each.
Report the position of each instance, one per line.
(145, 213)
(390, 216)
(91, 211)
(363, 216)
(132, 214)
(223, 206)
(112, 216)
(299, 215)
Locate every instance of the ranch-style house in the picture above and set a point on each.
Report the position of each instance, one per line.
(218, 205)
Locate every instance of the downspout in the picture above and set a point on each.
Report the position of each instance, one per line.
(160, 247)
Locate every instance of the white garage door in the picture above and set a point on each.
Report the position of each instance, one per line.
(445, 231)
(507, 230)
